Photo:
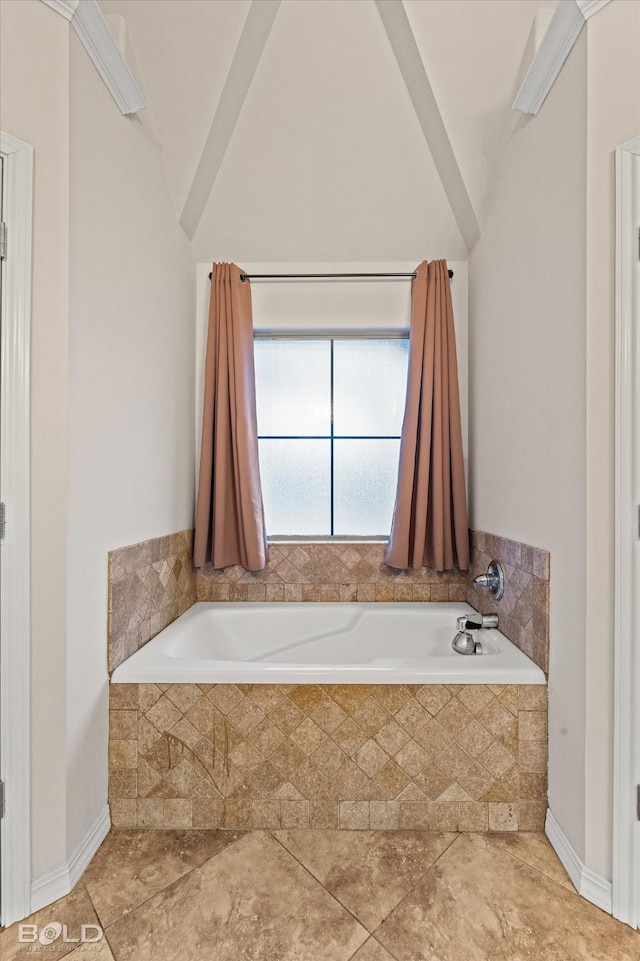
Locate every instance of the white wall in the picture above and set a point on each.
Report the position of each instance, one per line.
(333, 305)
(34, 81)
(613, 45)
(527, 362)
(131, 348)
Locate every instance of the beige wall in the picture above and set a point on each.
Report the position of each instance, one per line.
(527, 356)
(131, 348)
(112, 382)
(34, 60)
(541, 317)
(613, 45)
(112, 393)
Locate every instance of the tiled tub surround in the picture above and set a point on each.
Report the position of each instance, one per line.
(357, 572)
(436, 757)
(524, 609)
(150, 585)
(328, 572)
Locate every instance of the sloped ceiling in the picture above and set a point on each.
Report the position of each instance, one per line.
(327, 161)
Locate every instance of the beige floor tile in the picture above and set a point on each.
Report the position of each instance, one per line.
(132, 866)
(73, 911)
(534, 850)
(372, 950)
(252, 901)
(480, 902)
(93, 952)
(367, 871)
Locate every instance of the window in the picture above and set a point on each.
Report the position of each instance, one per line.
(329, 420)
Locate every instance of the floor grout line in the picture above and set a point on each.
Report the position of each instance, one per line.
(336, 898)
(318, 881)
(160, 890)
(372, 937)
(456, 838)
(571, 889)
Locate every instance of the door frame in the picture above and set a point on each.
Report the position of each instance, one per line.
(15, 648)
(626, 831)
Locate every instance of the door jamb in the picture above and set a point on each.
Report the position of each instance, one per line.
(626, 834)
(15, 673)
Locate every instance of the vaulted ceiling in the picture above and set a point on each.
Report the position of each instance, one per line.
(329, 158)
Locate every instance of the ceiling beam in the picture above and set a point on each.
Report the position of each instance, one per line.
(252, 42)
(566, 25)
(86, 19)
(403, 44)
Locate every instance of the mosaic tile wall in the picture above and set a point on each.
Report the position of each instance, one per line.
(150, 584)
(328, 572)
(524, 609)
(436, 757)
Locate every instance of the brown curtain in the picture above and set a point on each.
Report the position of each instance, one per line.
(429, 526)
(229, 513)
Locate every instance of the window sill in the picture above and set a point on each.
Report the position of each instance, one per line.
(327, 540)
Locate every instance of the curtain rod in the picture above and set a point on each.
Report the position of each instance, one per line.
(244, 277)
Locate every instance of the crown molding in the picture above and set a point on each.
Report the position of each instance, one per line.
(65, 8)
(86, 18)
(563, 31)
(589, 7)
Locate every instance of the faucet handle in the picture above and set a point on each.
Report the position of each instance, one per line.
(466, 624)
(493, 580)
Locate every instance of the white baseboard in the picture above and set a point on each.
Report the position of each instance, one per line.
(59, 881)
(589, 884)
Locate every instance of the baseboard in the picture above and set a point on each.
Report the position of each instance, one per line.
(589, 884)
(59, 881)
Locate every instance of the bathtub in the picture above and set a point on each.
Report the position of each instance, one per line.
(344, 643)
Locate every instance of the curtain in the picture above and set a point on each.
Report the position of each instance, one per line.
(429, 525)
(229, 513)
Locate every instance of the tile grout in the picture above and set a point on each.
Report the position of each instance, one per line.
(91, 902)
(160, 890)
(528, 864)
(430, 868)
(413, 887)
(317, 880)
(373, 938)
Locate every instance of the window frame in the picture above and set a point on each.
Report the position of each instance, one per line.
(331, 335)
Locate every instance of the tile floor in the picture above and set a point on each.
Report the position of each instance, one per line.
(328, 896)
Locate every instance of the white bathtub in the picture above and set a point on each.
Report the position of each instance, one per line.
(273, 643)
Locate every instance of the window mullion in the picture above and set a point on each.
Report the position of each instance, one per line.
(331, 440)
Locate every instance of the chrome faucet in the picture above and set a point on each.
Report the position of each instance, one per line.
(463, 642)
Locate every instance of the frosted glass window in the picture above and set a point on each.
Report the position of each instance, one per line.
(370, 379)
(329, 420)
(293, 387)
(365, 474)
(296, 486)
